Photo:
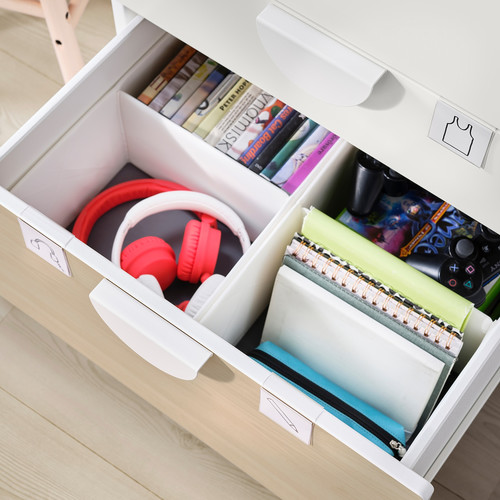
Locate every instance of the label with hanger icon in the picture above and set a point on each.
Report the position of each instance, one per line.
(45, 248)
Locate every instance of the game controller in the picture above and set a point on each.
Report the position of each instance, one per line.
(370, 179)
(468, 265)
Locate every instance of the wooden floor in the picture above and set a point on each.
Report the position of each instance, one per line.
(67, 429)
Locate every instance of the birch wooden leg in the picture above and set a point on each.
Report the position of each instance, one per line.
(61, 19)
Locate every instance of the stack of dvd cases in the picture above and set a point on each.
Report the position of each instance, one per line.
(238, 118)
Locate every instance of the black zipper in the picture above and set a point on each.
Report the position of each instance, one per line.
(387, 438)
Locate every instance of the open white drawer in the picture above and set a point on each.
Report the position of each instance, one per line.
(66, 154)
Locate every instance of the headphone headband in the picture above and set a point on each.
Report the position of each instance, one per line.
(116, 195)
(176, 200)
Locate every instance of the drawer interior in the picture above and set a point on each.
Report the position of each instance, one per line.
(120, 138)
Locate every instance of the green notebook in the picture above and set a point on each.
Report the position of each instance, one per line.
(386, 268)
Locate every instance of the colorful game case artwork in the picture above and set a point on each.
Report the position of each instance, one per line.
(168, 72)
(223, 107)
(277, 144)
(289, 148)
(255, 128)
(310, 143)
(306, 168)
(187, 109)
(243, 121)
(188, 89)
(416, 222)
(177, 81)
(210, 102)
(266, 136)
(232, 115)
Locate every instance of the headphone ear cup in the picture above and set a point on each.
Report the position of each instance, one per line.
(199, 252)
(204, 292)
(150, 255)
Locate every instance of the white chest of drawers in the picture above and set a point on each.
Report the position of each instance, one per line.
(89, 130)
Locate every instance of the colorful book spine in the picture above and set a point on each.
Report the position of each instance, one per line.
(300, 155)
(283, 136)
(289, 148)
(243, 121)
(168, 72)
(188, 89)
(305, 169)
(266, 136)
(233, 114)
(228, 101)
(255, 128)
(200, 95)
(177, 81)
(210, 102)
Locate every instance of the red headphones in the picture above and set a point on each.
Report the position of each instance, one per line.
(151, 255)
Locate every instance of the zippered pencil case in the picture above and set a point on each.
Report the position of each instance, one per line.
(368, 421)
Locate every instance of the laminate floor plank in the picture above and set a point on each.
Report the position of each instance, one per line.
(99, 412)
(18, 98)
(473, 468)
(38, 460)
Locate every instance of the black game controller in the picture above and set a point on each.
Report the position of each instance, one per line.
(469, 264)
(371, 178)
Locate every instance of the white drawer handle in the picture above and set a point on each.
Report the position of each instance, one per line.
(150, 336)
(315, 62)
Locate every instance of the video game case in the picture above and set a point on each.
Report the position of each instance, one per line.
(314, 158)
(168, 72)
(300, 156)
(199, 95)
(183, 75)
(243, 121)
(227, 102)
(232, 115)
(256, 127)
(187, 90)
(289, 148)
(210, 102)
(263, 159)
(266, 136)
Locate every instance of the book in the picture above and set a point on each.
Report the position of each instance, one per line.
(289, 148)
(282, 137)
(223, 107)
(351, 349)
(306, 148)
(232, 115)
(266, 136)
(243, 121)
(182, 76)
(387, 268)
(210, 102)
(187, 90)
(199, 95)
(255, 128)
(173, 66)
(314, 158)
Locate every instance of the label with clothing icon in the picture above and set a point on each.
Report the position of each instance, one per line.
(460, 133)
(458, 137)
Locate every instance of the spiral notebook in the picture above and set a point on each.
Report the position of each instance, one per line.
(373, 297)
